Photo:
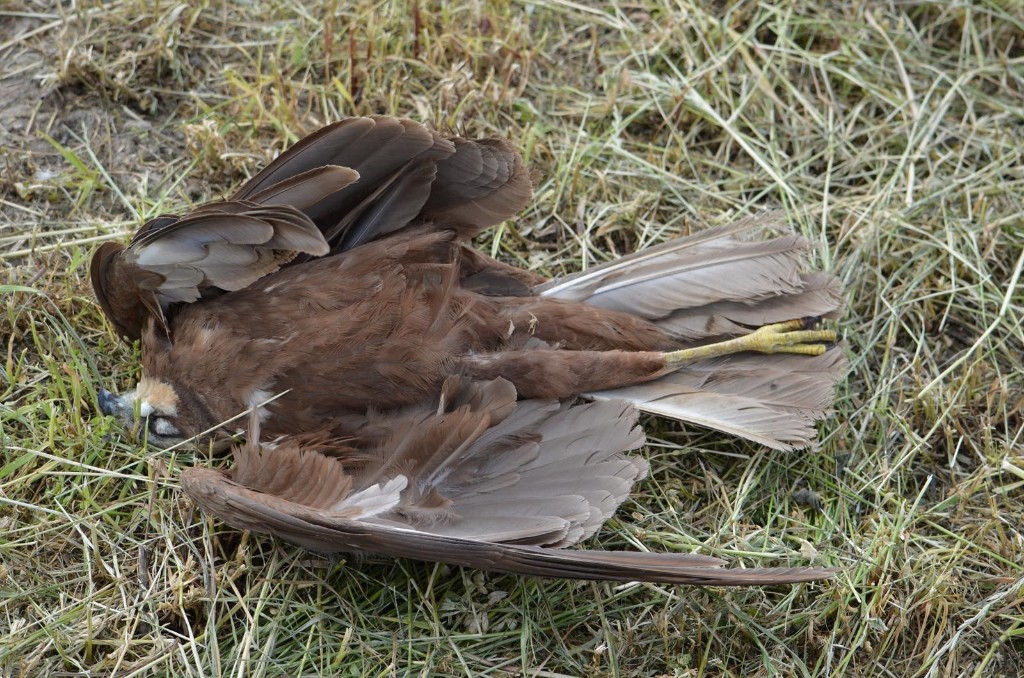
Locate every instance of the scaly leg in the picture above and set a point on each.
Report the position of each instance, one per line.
(559, 373)
(792, 336)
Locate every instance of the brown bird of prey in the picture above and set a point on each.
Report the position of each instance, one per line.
(336, 296)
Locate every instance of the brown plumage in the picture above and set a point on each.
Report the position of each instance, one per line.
(340, 279)
(475, 479)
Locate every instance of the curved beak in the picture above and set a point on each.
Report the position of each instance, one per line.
(116, 406)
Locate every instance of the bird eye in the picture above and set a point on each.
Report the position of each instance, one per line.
(162, 427)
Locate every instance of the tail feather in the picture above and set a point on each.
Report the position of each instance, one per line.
(820, 295)
(711, 286)
(718, 264)
(774, 400)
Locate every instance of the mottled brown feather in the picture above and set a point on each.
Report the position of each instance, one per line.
(482, 481)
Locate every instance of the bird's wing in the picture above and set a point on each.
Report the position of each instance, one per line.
(408, 174)
(487, 467)
(487, 276)
(340, 187)
(225, 246)
(480, 480)
(324, 531)
(483, 183)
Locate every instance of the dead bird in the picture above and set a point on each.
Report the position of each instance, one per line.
(416, 397)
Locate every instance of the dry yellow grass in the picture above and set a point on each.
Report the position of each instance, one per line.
(891, 133)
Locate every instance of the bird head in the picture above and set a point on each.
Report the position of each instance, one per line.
(159, 407)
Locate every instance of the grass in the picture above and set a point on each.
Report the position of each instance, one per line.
(892, 134)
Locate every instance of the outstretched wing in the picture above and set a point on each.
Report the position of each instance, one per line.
(320, 530)
(479, 480)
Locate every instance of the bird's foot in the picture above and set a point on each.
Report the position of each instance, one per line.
(793, 336)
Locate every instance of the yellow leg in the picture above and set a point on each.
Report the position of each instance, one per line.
(792, 336)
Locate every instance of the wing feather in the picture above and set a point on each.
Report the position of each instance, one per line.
(509, 514)
(322, 531)
(774, 400)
